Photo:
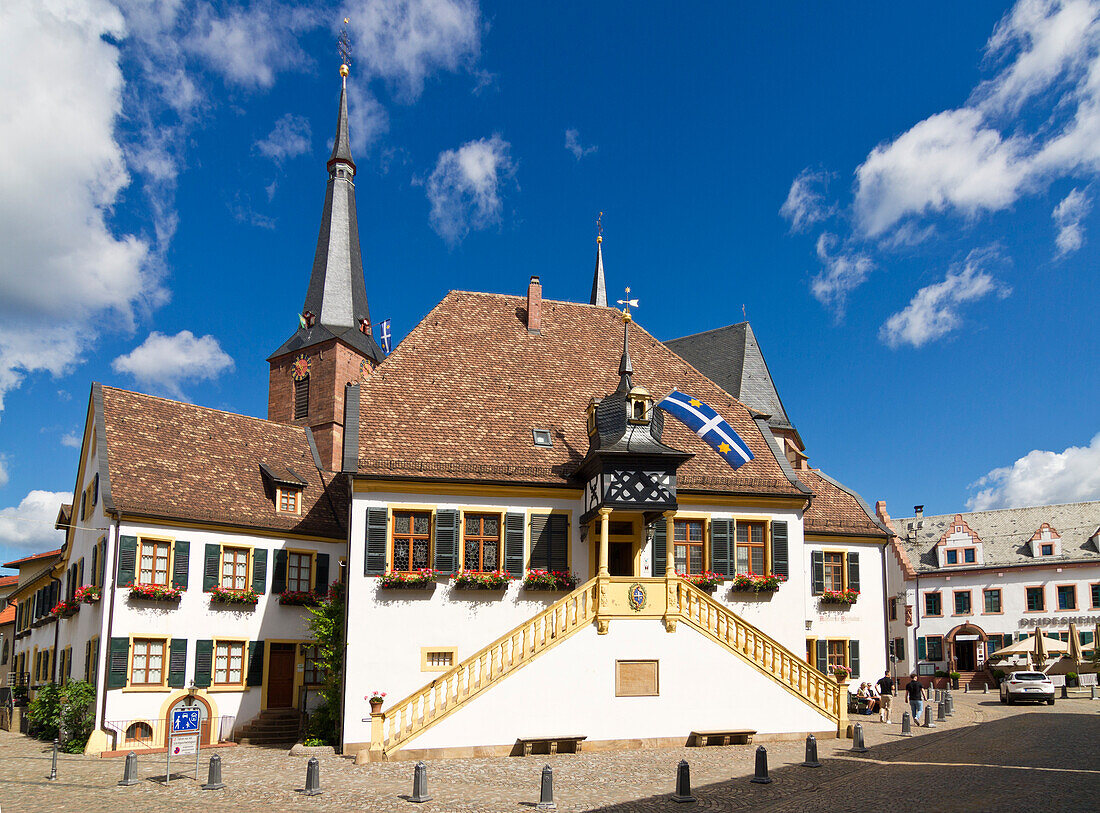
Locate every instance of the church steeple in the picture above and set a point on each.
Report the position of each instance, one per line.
(599, 288)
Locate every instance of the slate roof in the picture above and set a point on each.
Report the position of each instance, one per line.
(458, 398)
(1006, 534)
(836, 509)
(731, 357)
(180, 461)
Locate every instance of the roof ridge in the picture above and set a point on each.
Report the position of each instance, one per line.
(1002, 510)
(712, 330)
(202, 408)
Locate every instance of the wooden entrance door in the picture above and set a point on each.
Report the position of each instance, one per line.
(964, 655)
(280, 677)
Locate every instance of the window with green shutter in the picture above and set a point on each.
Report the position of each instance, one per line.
(817, 572)
(204, 662)
(374, 554)
(514, 543)
(118, 657)
(177, 662)
(127, 559)
(320, 580)
(278, 572)
(721, 543)
(446, 540)
(181, 562)
(255, 663)
(259, 571)
(211, 563)
(660, 547)
(549, 542)
(780, 558)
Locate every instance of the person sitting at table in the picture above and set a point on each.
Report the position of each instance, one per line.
(866, 698)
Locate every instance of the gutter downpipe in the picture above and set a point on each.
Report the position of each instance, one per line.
(347, 613)
(105, 637)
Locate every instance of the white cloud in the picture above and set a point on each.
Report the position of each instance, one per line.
(404, 41)
(1042, 478)
(934, 311)
(166, 362)
(367, 118)
(30, 525)
(845, 270)
(465, 186)
(1067, 217)
(3, 470)
(71, 439)
(64, 268)
(288, 139)
(573, 144)
(805, 203)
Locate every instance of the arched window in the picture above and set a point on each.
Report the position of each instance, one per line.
(139, 732)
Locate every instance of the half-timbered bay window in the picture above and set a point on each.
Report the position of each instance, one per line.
(412, 540)
(147, 663)
(153, 563)
(298, 572)
(234, 568)
(481, 542)
(750, 548)
(229, 663)
(688, 545)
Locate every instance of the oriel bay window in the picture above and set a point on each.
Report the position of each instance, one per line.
(412, 540)
(481, 542)
(147, 663)
(750, 548)
(688, 545)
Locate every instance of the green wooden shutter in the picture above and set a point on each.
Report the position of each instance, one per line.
(117, 662)
(95, 563)
(558, 532)
(922, 649)
(817, 572)
(181, 563)
(177, 662)
(822, 653)
(659, 547)
(780, 565)
(540, 542)
(853, 658)
(211, 562)
(102, 562)
(88, 660)
(720, 546)
(374, 554)
(514, 543)
(446, 541)
(255, 663)
(899, 648)
(278, 572)
(127, 559)
(80, 573)
(853, 570)
(204, 661)
(259, 571)
(320, 581)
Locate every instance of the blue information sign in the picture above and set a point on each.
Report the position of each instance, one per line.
(185, 721)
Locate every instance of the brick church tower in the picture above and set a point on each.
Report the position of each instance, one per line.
(333, 345)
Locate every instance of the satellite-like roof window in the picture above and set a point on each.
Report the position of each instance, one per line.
(542, 437)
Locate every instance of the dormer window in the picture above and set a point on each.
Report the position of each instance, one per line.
(638, 404)
(288, 500)
(1048, 550)
(542, 437)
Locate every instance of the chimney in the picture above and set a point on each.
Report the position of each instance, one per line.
(534, 306)
(918, 511)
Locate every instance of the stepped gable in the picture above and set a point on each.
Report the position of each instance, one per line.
(459, 397)
(837, 510)
(180, 461)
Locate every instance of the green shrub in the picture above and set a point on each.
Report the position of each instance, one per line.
(326, 622)
(44, 711)
(77, 715)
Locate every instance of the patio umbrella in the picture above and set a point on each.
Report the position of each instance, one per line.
(1074, 652)
(1027, 646)
(1039, 652)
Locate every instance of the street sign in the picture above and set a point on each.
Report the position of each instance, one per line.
(185, 744)
(185, 721)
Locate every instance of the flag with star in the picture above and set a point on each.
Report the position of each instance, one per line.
(709, 425)
(384, 337)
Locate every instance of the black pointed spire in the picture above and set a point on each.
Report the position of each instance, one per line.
(341, 147)
(599, 288)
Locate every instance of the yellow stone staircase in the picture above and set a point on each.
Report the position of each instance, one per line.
(602, 600)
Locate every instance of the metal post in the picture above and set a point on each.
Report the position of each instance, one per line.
(53, 762)
(1065, 692)
(857, 737)
(313, 778)
(928, 717)
(168, 761)
(811, 752)
(966, 688)
(214, 774)
(546, 790)
(420, 784)
(683, 783)
(761, 777)
(906, 725)
(129, 771)
(985, 688)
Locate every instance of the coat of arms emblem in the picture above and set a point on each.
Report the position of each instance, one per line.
(636, 595)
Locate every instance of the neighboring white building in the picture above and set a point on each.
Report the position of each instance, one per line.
(961, 586)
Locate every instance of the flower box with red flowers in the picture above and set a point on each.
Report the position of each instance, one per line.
(155, 592)
(423, 579)
(841, 672)
(476, 580)
(549, 580)
(239, 598)
(844, 598)
(88, 594)
(706, 581)
(300, 598)
(64, 609)
(751, 583)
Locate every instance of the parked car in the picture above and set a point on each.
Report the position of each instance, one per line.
(1027, 686)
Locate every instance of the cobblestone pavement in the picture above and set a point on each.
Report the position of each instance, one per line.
(986, 757)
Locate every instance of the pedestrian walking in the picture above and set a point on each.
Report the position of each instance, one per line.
(915, 693)
(886, 694)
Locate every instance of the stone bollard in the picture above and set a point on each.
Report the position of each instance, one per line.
(811, 752)
(985, 688)
(420, 784)
(1065, 692)
(906, 725)
(937, 695)
(928, 717)
(857, 737)
(683, 783)
(761, 777)
(129, 771)
(53, 763)
(1092, 693)
(546, 790)
(214, 775)
(950, 705)
(313, 778)
(966, 688)
(941, 712)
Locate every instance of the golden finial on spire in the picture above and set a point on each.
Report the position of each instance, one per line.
(627, 304)
(599, 228)
(344, 43)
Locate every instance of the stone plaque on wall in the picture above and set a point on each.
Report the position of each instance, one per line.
(636, 679)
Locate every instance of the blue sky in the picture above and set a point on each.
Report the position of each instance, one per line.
(902, 201)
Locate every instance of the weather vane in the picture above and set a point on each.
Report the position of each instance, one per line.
(344, 43)
(599, 228)
(627, 304)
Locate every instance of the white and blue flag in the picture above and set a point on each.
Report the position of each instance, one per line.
(384, 335)
(709, 425)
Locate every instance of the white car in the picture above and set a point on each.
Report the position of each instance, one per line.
(1027, 686)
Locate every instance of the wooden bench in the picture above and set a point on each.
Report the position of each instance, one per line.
(734, 736)
(554, 745)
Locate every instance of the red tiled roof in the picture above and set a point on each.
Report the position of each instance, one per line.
(32, 558)
(460, 395)
(8, 615)
(6, 580)
(180, 461)
(834, 510)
